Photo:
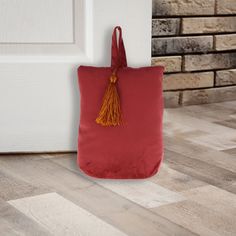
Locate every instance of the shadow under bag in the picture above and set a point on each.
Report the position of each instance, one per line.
(120, 131)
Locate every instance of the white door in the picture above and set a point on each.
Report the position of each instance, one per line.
(42, 42)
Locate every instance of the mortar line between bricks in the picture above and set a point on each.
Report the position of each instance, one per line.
(200, 88)
(179, 36)
(214, 42)
(214, 81)
(180, 100)
(195, 53)
(192, 35)
(180, 26)
(192, 16)
(199, 71)
(187, 72)
(225, 86)
(211, 70)
(184, 89)
(215, 7)
(182, 63)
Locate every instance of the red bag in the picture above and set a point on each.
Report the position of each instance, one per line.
(120, 132)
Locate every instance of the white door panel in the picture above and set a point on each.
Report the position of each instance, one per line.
(44, 27)
(36, 21)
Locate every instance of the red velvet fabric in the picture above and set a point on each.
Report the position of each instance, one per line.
(134, 149)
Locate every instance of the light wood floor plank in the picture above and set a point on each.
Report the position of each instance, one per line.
(218, 137)
(209, 112)
(231, 151)
(125, 215)
(142, 192)
(175, 180)
(228, 105)
(13, 187)
(230, 187)
(198, 218)
(231, 123)
(43, 173)
(13, 222)
(202, 153)
(198, 169)
(62, 217)
(215, 198)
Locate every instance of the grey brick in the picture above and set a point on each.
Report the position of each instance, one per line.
(226, 77)
(171, 63)
(162, 46)
(171, 99)
(183, 7)
(188, 80)
(225, 42)
(165, 26)
(209, 61)
(226, 6)
(202, 96)
(208, 25)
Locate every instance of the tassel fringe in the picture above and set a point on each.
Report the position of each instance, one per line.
(110, 112)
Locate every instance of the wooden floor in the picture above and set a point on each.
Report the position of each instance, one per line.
(193, 194)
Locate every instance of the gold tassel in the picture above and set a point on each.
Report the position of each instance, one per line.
(110, 112)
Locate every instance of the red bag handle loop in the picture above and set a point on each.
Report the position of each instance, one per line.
(118, 55)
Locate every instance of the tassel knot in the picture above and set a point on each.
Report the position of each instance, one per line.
(113, 78)
(110, 112)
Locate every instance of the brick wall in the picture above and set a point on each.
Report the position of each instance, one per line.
(196, 41)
